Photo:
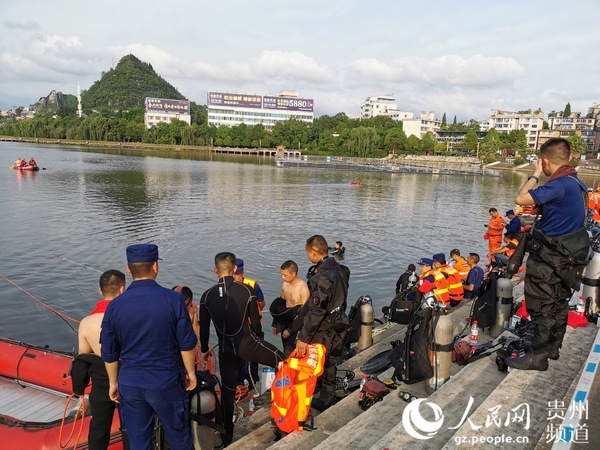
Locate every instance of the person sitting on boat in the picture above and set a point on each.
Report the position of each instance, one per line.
(18, 162)
(32, 162)
(502, 254)
(338, 248)
(89, 363)
(23, 162)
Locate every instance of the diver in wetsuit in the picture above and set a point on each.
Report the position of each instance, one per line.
(229, 305)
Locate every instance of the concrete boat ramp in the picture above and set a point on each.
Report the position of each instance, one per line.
(478, 407)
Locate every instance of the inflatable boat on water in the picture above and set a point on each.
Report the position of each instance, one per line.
(35, 394)
(30, 168)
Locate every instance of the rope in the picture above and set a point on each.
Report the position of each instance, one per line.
(62, 258)
(81, 408)
(45, 305)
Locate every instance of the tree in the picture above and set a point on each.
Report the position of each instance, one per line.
(444, 124)
(413, 144)
(395, 140)
(362, 141)
(454, 121)
(428, 142)
(567, 111)
(470, 141)
(491, 143)
(577, 145)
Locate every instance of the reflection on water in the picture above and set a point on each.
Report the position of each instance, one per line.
(64, 225)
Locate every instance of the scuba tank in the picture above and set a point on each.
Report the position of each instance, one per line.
(203, 403)
(504, 304)
(412, 280)
(366, 323)
(589, 288)
(440, 355)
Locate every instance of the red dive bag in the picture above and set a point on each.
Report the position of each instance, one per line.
(293, 388)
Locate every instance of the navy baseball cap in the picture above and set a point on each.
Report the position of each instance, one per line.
(509, 212)
(440, 257)
(140, 253)
(426, 262)
(239, 264)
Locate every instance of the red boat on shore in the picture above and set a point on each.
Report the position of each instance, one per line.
(30, 168)
(35, 394)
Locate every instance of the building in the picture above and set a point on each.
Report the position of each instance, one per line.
(575, 123)
(420, 126)
(163, 110)
(507, 121)
(454, 139)
(234, 109)
(383, 105)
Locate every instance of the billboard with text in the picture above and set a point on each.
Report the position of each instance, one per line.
(258, 101)
(161, 105)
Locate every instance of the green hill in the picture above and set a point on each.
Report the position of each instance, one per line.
(127, 86)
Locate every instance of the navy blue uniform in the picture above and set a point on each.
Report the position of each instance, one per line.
(146, 329)
(564, 206)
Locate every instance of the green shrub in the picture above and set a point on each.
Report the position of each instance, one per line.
(489, 159)
(519, 161)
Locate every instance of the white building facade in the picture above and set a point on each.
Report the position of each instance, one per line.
(420, 126)
(507, 121)
(383, 105)
(234, 109)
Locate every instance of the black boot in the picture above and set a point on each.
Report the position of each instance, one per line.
(529, 361)
(554, 354)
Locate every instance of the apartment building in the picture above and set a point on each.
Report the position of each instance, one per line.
(420, 126)
(383, 105)
(507, 121)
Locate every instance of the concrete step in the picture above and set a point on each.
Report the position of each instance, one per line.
(256, 432)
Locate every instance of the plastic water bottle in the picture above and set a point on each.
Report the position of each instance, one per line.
(474, 336)
(508, 368)
(580, 308)
(362, 384)
(251, 406)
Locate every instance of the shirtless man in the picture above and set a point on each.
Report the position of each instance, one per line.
(112, 284)
(294, 292)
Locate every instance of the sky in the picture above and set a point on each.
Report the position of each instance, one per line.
(462, 58)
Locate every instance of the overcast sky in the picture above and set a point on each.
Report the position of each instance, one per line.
(459, 57)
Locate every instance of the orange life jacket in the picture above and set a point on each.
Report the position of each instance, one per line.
(441, 291)
(462, 267)
(250, 282)
(510, 251)
(293, 388)
(455, 285)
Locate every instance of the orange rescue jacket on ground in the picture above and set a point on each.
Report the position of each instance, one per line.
(293, 388)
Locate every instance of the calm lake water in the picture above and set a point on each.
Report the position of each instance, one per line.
(63, 226)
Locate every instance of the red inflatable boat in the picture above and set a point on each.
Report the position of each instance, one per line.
(31, 168)
(35, 388)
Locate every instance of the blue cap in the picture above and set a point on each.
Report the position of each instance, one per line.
(426, 262)
(140, 253)
(509, 212)
(239, 263)
(439, 257)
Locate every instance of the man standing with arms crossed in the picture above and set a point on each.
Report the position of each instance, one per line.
(325, 320)
(558, 251)
(148, 346)
(89, 364)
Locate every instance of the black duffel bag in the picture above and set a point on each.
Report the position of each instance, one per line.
(402, 309)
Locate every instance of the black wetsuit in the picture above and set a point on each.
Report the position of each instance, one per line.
(283, 319)
(324, 316)
(229, 305)
(86, 366)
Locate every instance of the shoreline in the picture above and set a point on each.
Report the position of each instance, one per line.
(585, 167)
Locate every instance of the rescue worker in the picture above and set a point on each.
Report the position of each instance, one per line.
(475, 277)
(404, 280)
(514, 226)
(338, 248)
(495, 228)
(461, 266)
(233, 309)
(323, 316)
(32, 162)
(433, 280)
(455, 286)
(88, 363)
(248, 369)
(149, 349)
(503, 254)
(597, 205)
(558, 251)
